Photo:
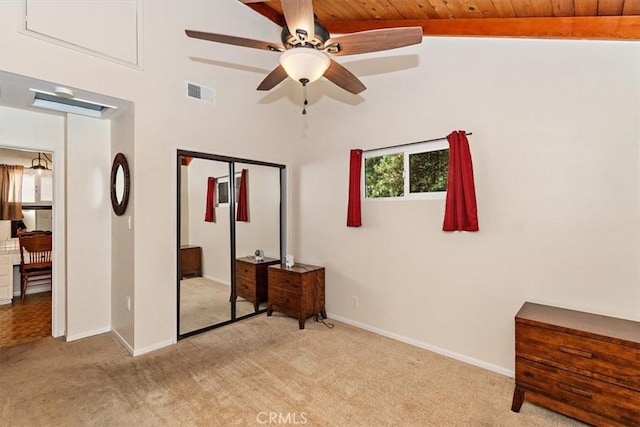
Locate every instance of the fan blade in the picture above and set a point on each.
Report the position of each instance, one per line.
(373, 40)
(299, 17)
(273, 79)
(236, 41)
(344, 78)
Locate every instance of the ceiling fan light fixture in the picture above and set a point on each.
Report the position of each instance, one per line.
(304, 63)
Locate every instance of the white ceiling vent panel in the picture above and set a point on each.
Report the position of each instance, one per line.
(82, 107)
(200, 92)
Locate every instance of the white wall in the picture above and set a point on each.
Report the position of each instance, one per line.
(88, 226)
(122, 237)
(555, 150)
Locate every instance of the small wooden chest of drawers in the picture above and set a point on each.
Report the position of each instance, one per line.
(297, 291)
(190, 261)
(583, 365)
(251, 279)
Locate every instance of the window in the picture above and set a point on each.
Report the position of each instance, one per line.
(223, 189)
(412, 172)
(37, 187)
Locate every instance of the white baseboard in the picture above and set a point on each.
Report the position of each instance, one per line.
(153, 347)
(123, 342)
(461, 357)
(34, 289)
(215, 279)
(86, 334)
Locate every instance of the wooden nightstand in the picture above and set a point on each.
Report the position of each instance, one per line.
(297, 291)
(190, 261)
(583, 365)
(251, 279)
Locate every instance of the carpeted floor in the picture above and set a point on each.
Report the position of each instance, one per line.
(262, 370)
(205, 302)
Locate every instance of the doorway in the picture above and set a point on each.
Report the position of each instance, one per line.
(31, 319)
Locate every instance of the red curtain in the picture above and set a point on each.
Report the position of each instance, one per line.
(242, 214)
(210, 210)
(461, 212)
(355, 172)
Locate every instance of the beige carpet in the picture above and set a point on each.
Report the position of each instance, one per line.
(239, 374)
(205, 302)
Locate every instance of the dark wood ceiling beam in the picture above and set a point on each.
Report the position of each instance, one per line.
(598, 27)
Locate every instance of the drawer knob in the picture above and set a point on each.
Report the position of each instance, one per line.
(575, 351)
(574, 390)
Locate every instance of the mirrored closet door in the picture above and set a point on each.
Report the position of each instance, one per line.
(231, 222)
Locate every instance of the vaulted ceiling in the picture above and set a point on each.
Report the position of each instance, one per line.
(583, 19)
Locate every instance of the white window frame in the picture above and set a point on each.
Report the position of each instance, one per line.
(38, 190)
(225, 180)
(406, 151)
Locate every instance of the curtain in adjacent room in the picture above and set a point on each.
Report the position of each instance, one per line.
(461, 213)
(11, 192)
(355, 172)
(242, 213)
(210, 208)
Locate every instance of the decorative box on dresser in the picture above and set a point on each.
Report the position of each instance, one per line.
(297, 291)
(583, 365)
(251, 279)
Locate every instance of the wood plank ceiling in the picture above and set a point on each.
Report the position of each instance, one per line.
(583, 19)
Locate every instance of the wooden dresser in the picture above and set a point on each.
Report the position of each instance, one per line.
(190, 261)
(251, 279)
(297, 291)
(582, 365)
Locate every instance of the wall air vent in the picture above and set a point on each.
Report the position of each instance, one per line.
(83, 107)
(202, 93)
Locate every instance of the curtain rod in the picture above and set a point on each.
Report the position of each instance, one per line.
(409, 143)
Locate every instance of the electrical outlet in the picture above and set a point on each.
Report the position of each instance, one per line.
(355, 302)
(129, 303)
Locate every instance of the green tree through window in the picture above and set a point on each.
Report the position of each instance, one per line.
(428, 171)
(384, 176)
(417, 173)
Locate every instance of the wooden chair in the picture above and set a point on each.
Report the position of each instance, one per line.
(35, 258)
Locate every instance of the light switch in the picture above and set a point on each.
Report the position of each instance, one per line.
(129, 222)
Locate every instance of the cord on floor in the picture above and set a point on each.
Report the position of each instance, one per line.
(318, 318)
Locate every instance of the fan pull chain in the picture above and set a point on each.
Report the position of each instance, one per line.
(304, 95)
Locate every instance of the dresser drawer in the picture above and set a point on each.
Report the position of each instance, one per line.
(603, 360)
(245, 288)
(618, 403)
(245, 271)
(285, 281)
(284, 300)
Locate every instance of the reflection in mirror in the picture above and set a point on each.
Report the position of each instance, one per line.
(230, 231)
(257, 233)
(119, 184)
(205, 242)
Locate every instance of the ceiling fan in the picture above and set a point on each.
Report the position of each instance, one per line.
(307, 47)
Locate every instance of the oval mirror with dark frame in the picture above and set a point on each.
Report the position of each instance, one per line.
(120, 184)
(222, 223)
